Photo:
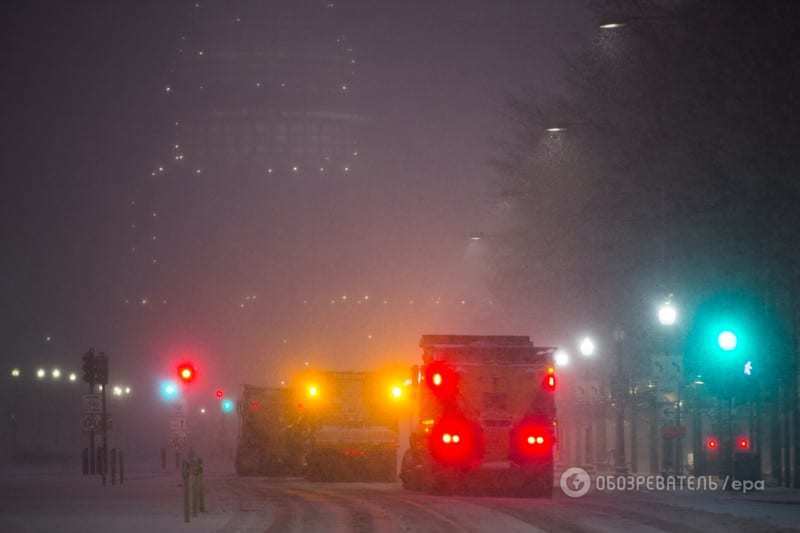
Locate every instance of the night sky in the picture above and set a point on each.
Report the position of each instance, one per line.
(254, 272)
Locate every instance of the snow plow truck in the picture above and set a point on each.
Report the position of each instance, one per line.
(484, 419)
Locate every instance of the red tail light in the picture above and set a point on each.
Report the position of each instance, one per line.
(712, 443)
(743, 443)
(550, 379)
(531, 439)
(442, 380)
(454, 440)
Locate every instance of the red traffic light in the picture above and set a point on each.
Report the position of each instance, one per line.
(219, 393)
(743, 443)
(186, 372)
(712, 443)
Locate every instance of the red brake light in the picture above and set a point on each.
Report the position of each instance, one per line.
(532, 438)
(442, 380)
(550, 379)
(455, 440)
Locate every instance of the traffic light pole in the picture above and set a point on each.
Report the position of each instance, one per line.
(92, 458)
(105, 436)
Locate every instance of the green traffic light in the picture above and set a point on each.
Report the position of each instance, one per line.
(727, 340)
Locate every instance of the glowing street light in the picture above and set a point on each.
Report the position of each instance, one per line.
(587, 347)
(117, 390)
(40, 373)
(561, 358)
(555, 129)
(56, 373)
(73, 377)
(127, 391)
(667, 314)
(15, 373)
(612, 25)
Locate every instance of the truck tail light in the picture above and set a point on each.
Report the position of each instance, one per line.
(454, 440)
(442, 380)
(531, 439)
(550, 379)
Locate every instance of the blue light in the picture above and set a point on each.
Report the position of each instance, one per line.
(169, 391)
(227, 405)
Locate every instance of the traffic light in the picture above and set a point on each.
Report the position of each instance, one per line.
(712, 444)
(88, 367)
(186, 372)
(743, 443)
(727, 340)
(227, 405)
(169, 391)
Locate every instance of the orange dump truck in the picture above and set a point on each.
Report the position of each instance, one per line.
(484, 418)
(353, 434)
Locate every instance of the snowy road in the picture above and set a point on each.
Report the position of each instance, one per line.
(152, 504)
(273, 505)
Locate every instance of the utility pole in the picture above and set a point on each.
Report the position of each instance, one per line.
(89, 376)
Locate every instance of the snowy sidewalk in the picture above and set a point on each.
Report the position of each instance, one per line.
(68, 503)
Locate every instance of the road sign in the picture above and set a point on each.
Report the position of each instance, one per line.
(92, 404)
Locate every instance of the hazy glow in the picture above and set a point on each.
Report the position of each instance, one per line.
(56, 373)
(73, 376)
(727, 340)
(612, 25)
(667, 314)
(40, 373)
(587, 347)
(561, 358)
(15, 372)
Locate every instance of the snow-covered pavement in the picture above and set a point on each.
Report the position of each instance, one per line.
(153, 504)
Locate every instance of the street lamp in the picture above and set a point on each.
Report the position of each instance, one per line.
(612, 25)
(56, 373)
(117, 390)
(15, 372)
(127, 391)
(555, 129)
(587, 347)
(72, 376)
(40, 373)
(667, 314)
(561, 358)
